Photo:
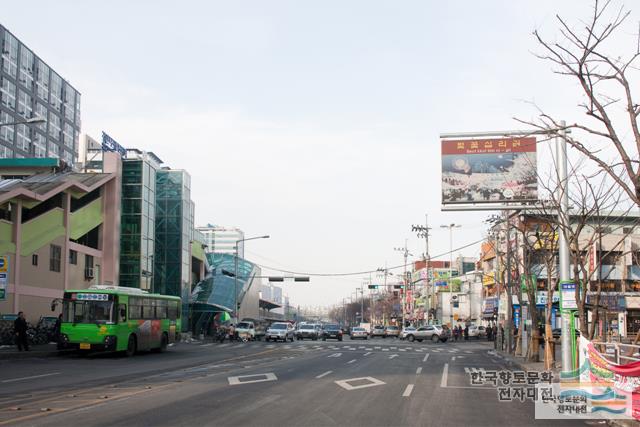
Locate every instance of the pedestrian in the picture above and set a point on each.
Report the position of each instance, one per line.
(56, 328)
(232, 332)
(20, 329)
(455, 333)
(460, 332)
(466, 332)
(489, 333)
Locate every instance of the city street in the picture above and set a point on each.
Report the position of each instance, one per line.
(373, 382)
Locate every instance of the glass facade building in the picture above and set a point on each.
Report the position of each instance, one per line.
(137, 248)
(173, 234)
(220, 239)
(29, 88)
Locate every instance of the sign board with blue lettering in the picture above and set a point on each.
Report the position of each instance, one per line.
(4, 264)
(568, 296)
(110, 144)
(4, 280)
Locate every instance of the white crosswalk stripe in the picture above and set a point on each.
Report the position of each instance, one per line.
(476, 370)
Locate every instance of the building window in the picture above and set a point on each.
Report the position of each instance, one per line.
(73, 257)
(34, 259)
(88, 267)
(39, 144)
(69, 102)
(23, 139)
(67, 135)
(26, 68)
(56, 91)
(54, 150)
(7, 133)
(25, 108)
(8, 92)
(54, 126)
(42, 81)
(55, 255)
(10, 55)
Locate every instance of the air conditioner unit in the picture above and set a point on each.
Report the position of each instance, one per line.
(88, 273)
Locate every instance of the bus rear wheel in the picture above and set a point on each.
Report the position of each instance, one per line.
(131, 346)
(164, 342)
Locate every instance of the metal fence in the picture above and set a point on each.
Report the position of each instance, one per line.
(618, 353)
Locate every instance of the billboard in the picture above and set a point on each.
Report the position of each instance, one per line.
(110, 144)
(489, 170)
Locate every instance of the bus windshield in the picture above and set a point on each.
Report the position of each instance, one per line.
(87, 311)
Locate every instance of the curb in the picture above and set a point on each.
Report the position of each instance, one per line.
(31, 354)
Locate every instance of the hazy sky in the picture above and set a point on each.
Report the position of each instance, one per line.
(314, 122)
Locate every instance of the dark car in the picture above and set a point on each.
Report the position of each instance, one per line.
(332, 331)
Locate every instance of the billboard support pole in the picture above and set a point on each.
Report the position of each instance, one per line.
(563, 244)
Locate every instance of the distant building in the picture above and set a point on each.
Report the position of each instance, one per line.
(30, 89)
(220, 239)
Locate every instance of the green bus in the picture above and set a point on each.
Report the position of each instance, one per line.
(115, 318)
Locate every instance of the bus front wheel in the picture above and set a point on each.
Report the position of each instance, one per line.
(131, 346)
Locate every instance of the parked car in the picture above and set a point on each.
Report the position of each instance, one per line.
(280, 331)
(407, 332)
(358, 332)
(391, 331)
(308, 331)
(246, 331)
(377, 331)
(474, 331)
(435, 333)
(332, 331)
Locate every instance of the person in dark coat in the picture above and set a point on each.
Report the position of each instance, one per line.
(20, 329)
(466, 332)
(57, 327)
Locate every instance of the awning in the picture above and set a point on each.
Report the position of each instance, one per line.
(268, 305)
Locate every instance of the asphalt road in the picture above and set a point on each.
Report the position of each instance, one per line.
(311, 383)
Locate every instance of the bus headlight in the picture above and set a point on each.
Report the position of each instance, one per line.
(110, 342)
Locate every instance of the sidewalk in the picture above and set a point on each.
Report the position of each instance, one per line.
(42, 350)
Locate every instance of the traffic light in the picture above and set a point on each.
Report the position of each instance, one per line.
(301, 279)
(276, 279)
(373, 286)
(397, 286)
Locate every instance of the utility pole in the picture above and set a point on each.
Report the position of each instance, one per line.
(406, 254)
(451, 227)
(423, 231)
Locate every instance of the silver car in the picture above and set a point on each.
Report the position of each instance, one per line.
(280, 331)
(435, 333)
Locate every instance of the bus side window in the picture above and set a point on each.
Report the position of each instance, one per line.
(122, 313)
(173, 310)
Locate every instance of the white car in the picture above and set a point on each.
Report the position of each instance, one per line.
(246, 331)
(359, 333)
(280, 331)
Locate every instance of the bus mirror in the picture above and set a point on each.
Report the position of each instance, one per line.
(53, 306)
(123, 312)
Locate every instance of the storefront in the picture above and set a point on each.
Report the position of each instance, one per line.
(633, 315)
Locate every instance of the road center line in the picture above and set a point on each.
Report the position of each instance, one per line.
(426, 356)
(351, 361)
(30, 378)
(407, 391)
(419, 370)
(324, 375)
(445, 374)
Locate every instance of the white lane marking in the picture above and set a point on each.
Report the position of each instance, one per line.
(268, 346)
(361, 347)
(385, 349)
(367, 353)
(394, 348)
(372, 383)
(287, 347)
(377, 348)
(453, 359)
(324, 375)
(469, 352)
(368, 348)
(261, 378)
(408, 390)
(436, 350)
(426, 356)
(228, 344)
(419, 370)
(335, 355)
(392, 356)
(31, 377)
(445, 374)
(206, 345)
(403, 349)
(351, 361)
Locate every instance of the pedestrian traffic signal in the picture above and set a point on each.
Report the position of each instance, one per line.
(397, 286)
(373, 286)
(301, 279)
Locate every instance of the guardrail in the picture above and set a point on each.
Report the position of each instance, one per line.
(617, 352)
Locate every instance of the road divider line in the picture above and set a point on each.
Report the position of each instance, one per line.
(351, 361)
(324, 375)
(408, 390)
(30, 378)
(426, 356)
(367, 353)
(445, 374)
(206, 345)
(419, 370)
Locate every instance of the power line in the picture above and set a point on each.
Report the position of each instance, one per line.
(363, 272)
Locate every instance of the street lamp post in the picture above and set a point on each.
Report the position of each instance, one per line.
(235, 276)
(423, 231)
(451, 227)
(31, 121)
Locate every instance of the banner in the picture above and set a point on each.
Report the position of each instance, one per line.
(489, 170)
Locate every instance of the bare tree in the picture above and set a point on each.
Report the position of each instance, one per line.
(605, 80)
